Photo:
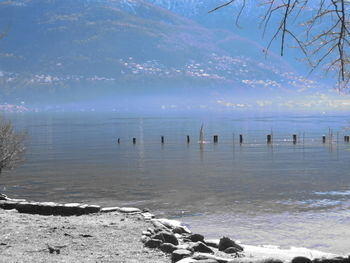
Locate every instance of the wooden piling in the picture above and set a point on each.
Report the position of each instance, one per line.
(241, 138)
(188, 139)
(269, 138)
(134, 140)
(216, 138)
(324, 139)
(294, 139)
(162, 139)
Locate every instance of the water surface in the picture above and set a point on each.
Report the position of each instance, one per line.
(283, 193)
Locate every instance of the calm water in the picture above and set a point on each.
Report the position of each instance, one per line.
(281, 194)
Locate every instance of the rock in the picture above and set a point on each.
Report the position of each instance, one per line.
(301, 260)
(187, 260)
(209, 260)
(178, 236)
(8, 205)
(271, 260)
(47, 208)
(129, 210)
(109, 209)
(151, 230)
(167, 247)
(203, 256)
(144, 239)
(196, 238)
(332, 260)
(146, 233)
(166, 237)
(91, 209)
(27, 207)
(200, 247)
(179, 254)
(172, 224)
(147, 215)
(231, 250)
(212, 243)
(3, 197)
(153, 243)
(226, 242)
(158, 226)
(180, 230)
(71, 209)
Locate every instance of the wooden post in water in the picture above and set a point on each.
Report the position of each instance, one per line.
(162, 139)
(324, 139)
(134, 140)
(294, 139)
(241, 138)
(216, 138)
(118, 140)
(269, 139)
(188, 139)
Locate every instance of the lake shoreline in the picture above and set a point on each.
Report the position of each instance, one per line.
(92, 231)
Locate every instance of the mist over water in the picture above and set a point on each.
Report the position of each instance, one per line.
(283, 193)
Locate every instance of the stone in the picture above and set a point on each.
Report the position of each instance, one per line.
(179, 230)
(8, 205)
(71, 209)
(231, 250)
(147, 215)
(153, 243)
(27, 207)
(301, 260)
(200, 247)
(144, 239)
(92, 209)
(129, 210)
(146, 233)
(158, 225)
(172, 224)
(212, 243)
(196, 238)
(209, 260)
(187, 260)
(226, 242)
(332, 260)
(179, 254)
(271, 260)
(202, 256)
(3, 197)
(46, 208)
(166, 237)
(167, 247)
(151, 230)
(109, 209)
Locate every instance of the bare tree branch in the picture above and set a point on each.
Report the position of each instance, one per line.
(325, 37)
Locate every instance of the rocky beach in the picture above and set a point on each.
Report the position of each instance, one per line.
(51, 232)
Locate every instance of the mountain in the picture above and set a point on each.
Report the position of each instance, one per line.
(59, 51)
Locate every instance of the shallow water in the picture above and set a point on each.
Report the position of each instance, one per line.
(281, 194)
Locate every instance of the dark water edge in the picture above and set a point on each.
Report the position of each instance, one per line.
(281, 194)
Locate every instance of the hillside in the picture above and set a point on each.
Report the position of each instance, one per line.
(61, 50)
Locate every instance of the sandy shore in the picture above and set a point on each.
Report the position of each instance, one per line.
(110, 237)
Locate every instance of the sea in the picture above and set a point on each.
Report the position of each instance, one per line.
(285, 193)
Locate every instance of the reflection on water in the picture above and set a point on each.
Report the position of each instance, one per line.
(76, 158)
